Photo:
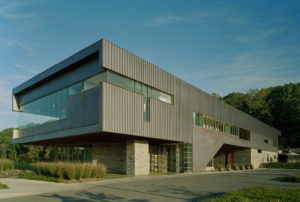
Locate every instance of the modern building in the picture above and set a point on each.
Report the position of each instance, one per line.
(134, 117)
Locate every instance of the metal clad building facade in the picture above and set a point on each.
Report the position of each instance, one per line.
(112, 109)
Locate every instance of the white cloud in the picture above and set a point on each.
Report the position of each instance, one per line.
(165, 19)
(28, 47)
(257, 36)
(222, 13)
(10, 10)
(260, 69)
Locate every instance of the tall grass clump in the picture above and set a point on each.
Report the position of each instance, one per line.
(87, 170)
(6, 164)
(79, 170)
(70, 171)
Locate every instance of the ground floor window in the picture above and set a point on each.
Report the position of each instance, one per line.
(74, 153)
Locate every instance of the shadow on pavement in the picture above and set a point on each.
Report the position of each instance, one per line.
(167, 193)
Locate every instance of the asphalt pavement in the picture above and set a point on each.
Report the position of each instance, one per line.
(181, 187)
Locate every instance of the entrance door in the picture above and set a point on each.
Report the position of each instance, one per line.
(229, 158)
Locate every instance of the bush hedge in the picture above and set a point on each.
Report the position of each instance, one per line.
(283, 165)
(66, 170)
(6, 164)
(292, 178)
(35, 176)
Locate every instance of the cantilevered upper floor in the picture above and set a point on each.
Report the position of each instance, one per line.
(106, 89)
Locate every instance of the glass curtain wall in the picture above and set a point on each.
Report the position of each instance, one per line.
(48, 108)
(53, 106)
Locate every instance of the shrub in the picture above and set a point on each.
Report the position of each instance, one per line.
(64, 170)
(59, 172)
(283, 165)
(292, 178)
(35, 176)
(220, 166)
(87, 170)
(70, 170)
(235, 166)
(94, 172)
(101, 171)
(79, 171)
(6, 164)
(53, 169)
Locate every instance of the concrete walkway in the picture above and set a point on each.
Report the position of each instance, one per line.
(182, 187)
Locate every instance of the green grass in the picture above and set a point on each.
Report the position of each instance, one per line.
(260, 194)
(283, 165)
(35, 176)
(292, 178)
(3, 186)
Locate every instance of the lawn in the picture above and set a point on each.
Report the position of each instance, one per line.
(260, 194)
(3, 186)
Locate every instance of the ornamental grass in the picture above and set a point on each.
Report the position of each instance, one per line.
(70, 171)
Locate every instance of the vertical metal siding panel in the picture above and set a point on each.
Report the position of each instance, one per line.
(109, 56)
(120, 65)
(104, 54)
(113, 58)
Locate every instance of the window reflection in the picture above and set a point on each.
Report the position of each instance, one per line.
(53, 107)
(48, 108)
(214, 124)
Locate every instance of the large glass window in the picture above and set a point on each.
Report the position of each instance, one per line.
(94, 81)
(160, 96)
(121, 81)
(53, 107)
(48, 108)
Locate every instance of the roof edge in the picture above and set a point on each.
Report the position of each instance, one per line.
(59, 66)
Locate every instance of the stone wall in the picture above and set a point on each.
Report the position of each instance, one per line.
(137, 157)
(219, 159)
(242, 156)
(110, 154)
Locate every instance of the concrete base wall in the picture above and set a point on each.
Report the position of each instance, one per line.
(110, 154)
(257, 159)
(137, 157)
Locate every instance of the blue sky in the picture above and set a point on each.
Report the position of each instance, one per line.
(221, 46)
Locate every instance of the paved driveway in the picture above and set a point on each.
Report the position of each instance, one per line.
(185, 187)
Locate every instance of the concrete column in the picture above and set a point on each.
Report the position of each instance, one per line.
(137, 157)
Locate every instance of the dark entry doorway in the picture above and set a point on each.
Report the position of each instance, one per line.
(229, 158)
